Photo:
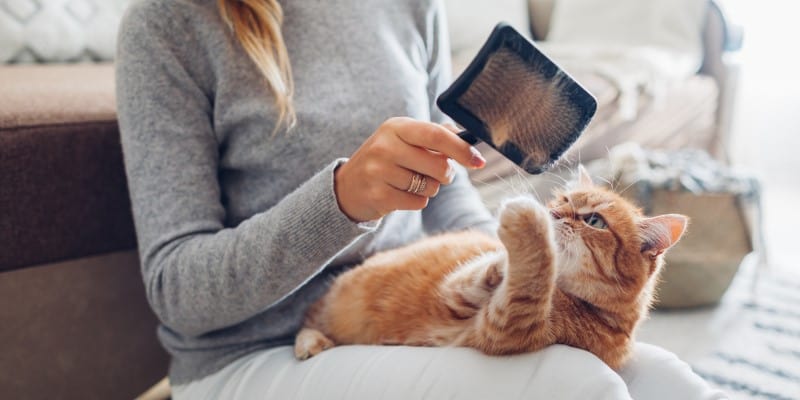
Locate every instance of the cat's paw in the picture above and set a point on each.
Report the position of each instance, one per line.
(523, 209)
(523, 218)
(310, 342)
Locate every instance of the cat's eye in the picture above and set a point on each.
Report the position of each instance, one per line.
(595, 221)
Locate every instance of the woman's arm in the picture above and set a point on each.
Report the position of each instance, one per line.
(199, 275)
(458, 205)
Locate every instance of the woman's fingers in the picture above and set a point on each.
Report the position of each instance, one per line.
(400, 167)
(389, 198)
(405, 180)
(410, 201)
(437, 138)
(452, 128)
(426, 162)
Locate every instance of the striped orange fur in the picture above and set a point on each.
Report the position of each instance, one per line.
(580, 272)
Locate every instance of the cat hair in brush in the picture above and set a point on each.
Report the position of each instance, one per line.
(518, 101)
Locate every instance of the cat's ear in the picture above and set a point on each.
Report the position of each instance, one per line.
(584, 179)
(662, 232)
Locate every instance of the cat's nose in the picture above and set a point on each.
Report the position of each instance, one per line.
(555, 214)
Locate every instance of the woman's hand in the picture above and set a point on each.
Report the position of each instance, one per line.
(379, 176)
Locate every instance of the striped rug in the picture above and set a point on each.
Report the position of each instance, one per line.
(759, 356)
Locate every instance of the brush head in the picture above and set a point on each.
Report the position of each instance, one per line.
(518, 101)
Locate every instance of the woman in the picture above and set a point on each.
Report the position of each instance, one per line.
(236, 118)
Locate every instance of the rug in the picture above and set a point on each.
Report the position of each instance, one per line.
(758, 357)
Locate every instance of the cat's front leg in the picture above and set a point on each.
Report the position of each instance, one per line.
(517, 316)
(526, 230)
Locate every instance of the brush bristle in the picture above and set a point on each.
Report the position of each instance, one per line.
(520, 104)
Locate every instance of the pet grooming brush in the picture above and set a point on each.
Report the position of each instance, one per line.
(518, 101)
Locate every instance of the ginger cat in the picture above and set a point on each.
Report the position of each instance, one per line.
(580, 272)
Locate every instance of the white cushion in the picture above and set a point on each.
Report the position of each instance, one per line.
(672, 25)
(59, 30)
(471, 21)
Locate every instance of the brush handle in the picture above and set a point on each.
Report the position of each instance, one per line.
(468, 137)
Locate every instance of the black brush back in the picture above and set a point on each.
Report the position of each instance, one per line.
(518, 101)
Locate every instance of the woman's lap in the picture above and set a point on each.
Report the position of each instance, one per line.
(655, 373)
(400, 372)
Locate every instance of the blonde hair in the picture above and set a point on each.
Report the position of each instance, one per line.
(257, 26)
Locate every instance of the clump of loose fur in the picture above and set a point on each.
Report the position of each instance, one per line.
(580, 272)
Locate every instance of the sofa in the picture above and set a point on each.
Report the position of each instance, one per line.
(693, 112)
(75, 321)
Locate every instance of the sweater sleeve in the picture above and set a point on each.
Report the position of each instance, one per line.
(199, 275)
(458, 205)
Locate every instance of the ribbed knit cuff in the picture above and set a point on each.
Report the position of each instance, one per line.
(313, 222)
(318, 216)
(369, 225)
(325, 210)
(314, 229)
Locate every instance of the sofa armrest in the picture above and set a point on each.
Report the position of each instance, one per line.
(722, 40)
(540, 13)
(64, 193)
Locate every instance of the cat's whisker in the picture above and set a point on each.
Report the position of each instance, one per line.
(608, 152)
(580, 155)
(569, 158)
(559, 178)
(628, 187)
(511, 188)
(528, 185)
(483, 182)
(508, 188)
(608, 182)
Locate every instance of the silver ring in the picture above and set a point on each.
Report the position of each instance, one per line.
(418, 184)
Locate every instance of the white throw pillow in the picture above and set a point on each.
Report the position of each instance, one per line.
(471, 21)
(59, 30)
(673, 25)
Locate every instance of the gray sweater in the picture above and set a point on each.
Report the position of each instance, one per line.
(239, 230)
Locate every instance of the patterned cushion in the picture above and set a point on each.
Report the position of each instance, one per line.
(58, 30)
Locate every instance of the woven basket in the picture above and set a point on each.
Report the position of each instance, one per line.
(723, 207)
(702, 265)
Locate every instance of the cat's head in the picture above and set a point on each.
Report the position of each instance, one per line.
(610, 254)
